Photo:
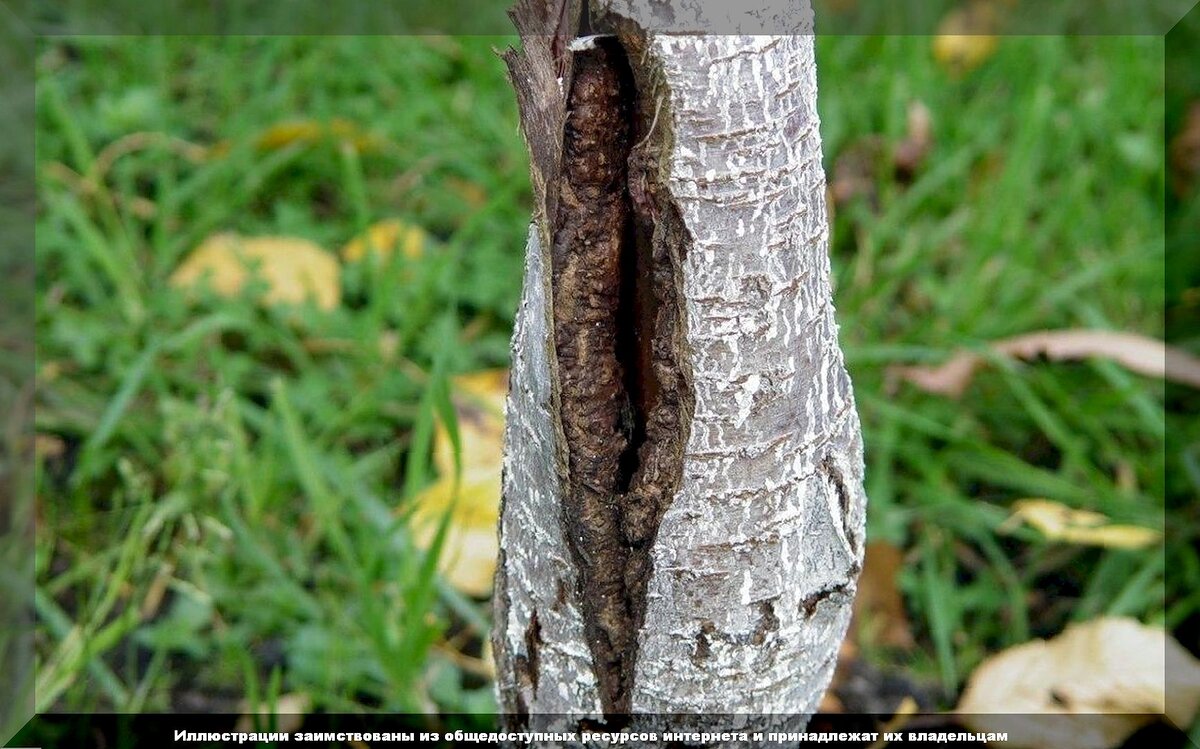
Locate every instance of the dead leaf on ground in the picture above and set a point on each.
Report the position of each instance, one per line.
(966, 36)
(879, 615)
(468, 558)
(385, 237)
(307, 132)
(1145, 356)
(294, 269)
(289, 711)
(1057, 522)
(479, 405)
(1092, 686)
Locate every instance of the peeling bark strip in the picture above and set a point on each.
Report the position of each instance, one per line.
(682, 515)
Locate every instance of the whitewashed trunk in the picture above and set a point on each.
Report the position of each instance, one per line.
(756, 558)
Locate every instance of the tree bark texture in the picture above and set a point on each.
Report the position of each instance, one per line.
(683, 513)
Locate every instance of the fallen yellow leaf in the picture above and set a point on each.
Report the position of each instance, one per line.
(1092, 686)
(384, 238)
(966, 36)
(468, 558)
(293, 269)
(286, 133)
(1057, 522)
(479, 407)
(308, 132)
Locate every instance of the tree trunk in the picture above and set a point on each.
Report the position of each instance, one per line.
(683, 515)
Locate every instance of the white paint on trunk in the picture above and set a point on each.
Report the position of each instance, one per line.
(757, 531)
(535, 572)
(756, 559)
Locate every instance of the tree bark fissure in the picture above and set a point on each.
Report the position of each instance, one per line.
(682, 513)
(615, 332)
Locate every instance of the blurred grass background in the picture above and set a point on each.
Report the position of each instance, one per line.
(223, 487)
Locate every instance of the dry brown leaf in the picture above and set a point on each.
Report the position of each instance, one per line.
(879, 614)
(966, 36)
(1145, 356)
(289, 711)
(384, 238)
(469, 552)
(1057, 522)
(293, 269)
(1092, 686)
(285, 134)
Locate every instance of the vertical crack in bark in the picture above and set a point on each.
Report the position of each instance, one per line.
(533, 646)
(834, 474)
(616, 334)
(808, 605)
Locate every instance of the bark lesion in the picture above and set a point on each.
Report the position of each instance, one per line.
(703, 649)
(617, 330)
(586, 259)
(829, 468)
(768, 622)
(810, 602)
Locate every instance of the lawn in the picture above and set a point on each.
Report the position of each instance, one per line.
(224, 487)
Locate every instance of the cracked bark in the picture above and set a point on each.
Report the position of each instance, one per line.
(683, 515)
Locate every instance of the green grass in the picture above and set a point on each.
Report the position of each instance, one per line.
(1040, 207)
(256, 458)
(257, 462)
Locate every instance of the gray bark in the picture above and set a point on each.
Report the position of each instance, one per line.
(755, 560)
